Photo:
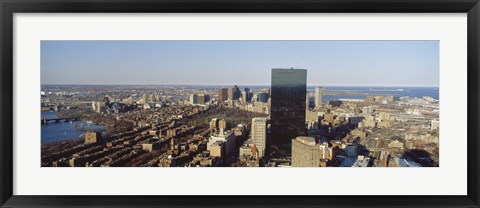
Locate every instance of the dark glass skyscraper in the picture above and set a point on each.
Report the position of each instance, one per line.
(234, 93)
(289, 88)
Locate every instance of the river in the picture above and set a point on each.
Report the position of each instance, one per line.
(62, 131)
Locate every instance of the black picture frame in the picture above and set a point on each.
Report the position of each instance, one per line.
(9, 7)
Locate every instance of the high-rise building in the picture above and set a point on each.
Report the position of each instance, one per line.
(202, 98)
(318, 96)
(237, 93)
(262, 97)
(369, 99)
(249, 94)
(193, 99)
(306, 153)
(230, 93)
(288, 95)
(233, 93)
(227, 138)
(217, 149)
(144, 99)
(259, 134)
(222, 125)
(244, 96)
(214, 125)
(222, 94)
(100, 106)
(311, 116)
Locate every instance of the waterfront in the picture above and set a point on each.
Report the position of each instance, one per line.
(54, 132)
(394, 91)
(228, 104)
(165, 126)
(341, 92)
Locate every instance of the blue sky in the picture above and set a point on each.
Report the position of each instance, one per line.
(329, 63)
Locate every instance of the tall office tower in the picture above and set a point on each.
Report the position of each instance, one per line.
(244, 96)
(248, 94)
(100, 106)
(259, 134)
(202, 98)
(144, 99)
(234, 93)
(318, 96)
(288, 95)
(306, 153)
(230, 93)
(193, 99)
(222, 126)
(214, 125)
(222, 94)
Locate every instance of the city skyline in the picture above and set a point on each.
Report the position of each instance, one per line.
(330, 63)
(217, 111)
(138, 127)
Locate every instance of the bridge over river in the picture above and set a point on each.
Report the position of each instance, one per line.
(58, 120)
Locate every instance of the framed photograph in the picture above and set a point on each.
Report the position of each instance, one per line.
(265, 103)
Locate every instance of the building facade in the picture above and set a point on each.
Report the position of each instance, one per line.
(262, 97)
(234, 93)
(222, 94)
(259, 134)
(225, 140)
(203, 98)
(288, 94)
(305, 152)
(318, 96)
(92, 137)
(193, 99)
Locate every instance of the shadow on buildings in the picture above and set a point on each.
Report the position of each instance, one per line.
(420, 156)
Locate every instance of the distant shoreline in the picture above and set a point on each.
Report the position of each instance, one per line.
(225, 85)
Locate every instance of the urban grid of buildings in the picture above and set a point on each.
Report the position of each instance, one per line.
(282, 126)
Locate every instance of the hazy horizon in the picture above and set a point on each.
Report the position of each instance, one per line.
(217, 85)
(243, 63)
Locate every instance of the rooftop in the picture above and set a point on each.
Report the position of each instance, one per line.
(291, 68)
(306, 140)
